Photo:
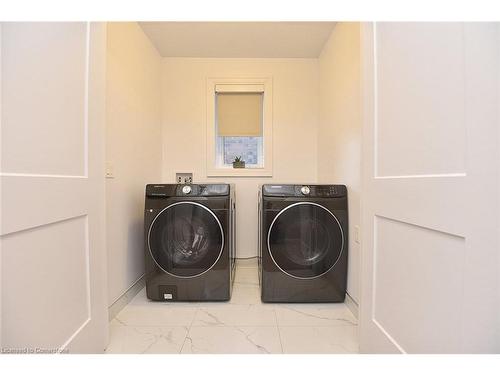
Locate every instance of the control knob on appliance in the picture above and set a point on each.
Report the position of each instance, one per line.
(305, 190)
(186, 189)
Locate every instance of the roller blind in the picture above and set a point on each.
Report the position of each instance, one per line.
(239, 114)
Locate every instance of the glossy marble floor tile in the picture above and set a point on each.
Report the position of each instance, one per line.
(172, 315)
(235, 315)
(232, 340)
(246, 276)
(244, 294)
(242, 325)
(319, 340)
(302, 314)
(131, 339)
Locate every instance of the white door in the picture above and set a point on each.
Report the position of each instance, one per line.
(430, 193)
(53, 261)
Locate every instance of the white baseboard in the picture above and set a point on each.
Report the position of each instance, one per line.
(352, 305)
(126, 297)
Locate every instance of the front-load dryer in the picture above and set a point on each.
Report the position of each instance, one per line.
(189, 242)
(303, 243)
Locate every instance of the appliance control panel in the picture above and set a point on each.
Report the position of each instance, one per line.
(184, 190)
(312, 191)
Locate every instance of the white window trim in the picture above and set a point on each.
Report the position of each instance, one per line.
(240, 85)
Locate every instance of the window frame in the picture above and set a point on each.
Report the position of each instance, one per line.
(240, 85)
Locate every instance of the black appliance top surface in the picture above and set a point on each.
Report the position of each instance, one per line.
(187, 190)
(311, 191)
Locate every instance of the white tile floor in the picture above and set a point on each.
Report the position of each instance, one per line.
(242, 325)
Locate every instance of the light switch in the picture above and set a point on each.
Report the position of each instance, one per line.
(110, 172)
(356, 234)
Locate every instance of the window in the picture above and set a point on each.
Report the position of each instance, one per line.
(239, 124)
(238, 118)
(248, 148)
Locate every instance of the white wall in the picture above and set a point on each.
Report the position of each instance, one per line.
(339, 130)
(133, 148)
(295, 101)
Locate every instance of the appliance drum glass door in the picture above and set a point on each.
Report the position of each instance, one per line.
(186, 239)
(305, 240)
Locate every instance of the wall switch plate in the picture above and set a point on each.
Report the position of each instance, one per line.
(356, 234)
(184, 178)
(110, 170)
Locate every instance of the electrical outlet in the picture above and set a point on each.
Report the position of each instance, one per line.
(356, 234)
(184, 178)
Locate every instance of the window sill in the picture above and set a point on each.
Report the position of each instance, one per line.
(239, 172)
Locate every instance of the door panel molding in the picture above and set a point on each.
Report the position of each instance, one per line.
(57, 89)
(41, 197)
(452, 208)
(408, 285)
(66, 287)
(47, 201)
(421, 176)
(408, 80)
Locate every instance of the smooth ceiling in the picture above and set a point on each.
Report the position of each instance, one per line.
(239, 39)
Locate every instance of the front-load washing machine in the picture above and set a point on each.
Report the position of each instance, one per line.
(189, 242)
(303, 243)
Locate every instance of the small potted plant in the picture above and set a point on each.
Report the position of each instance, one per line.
(238, 163)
